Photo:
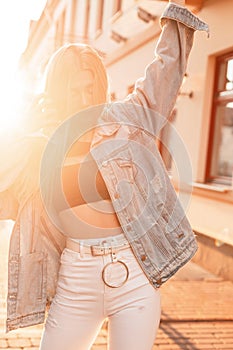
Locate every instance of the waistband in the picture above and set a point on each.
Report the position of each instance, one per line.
(99, 246)
(116, 240)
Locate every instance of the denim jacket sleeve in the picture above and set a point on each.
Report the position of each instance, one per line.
(154, 95)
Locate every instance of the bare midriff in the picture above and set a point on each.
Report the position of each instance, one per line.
(89, 220)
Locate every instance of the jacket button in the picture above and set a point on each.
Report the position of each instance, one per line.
(12, 296)
(116, 195)
(143, 257)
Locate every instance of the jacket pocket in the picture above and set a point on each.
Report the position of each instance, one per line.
(31, 296)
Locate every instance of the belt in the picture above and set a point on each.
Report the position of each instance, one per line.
(95, 250)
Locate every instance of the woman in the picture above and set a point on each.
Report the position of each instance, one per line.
(100, 247)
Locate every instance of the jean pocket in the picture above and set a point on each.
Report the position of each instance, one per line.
(69, 255)
(126, 255)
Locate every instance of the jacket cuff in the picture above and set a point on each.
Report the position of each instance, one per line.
(183, 15)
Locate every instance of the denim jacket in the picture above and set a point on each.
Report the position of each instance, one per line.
(143, 197)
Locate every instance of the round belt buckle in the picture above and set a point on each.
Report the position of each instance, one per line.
(104, 271)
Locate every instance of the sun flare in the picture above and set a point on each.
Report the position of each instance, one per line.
(15, 17)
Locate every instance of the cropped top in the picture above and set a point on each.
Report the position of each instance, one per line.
(83, 183)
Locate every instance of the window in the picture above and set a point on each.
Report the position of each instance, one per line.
(86, 19)
(100, 13)
(96, 18)
(220, 160)
(60, 25)
(116, 6)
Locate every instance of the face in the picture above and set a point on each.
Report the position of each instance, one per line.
(80, 91)
(75, 80)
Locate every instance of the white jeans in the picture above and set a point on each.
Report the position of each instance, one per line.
(83, 301)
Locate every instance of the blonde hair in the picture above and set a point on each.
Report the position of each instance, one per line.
(63, 64)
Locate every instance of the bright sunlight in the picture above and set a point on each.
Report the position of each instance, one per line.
(15, 16)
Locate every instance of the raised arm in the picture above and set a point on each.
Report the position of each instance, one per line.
(155, 94)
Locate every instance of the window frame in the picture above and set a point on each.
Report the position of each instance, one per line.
(217, 101)
(117, 5)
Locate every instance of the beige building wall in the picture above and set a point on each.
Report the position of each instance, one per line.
(210, 210)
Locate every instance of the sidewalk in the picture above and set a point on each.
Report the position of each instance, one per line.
(197, 313)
